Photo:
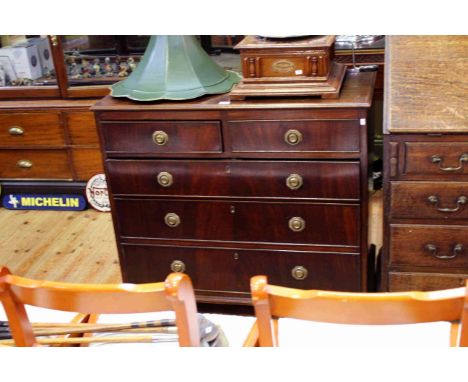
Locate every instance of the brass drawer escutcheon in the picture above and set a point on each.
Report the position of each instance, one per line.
(456, 250)
(294, 181)
(24, 163)
(297, 224)
(160, 138)
(461, 161)
(299, 272)
(165, 179)
(16, 130)
(172, 220)
(293, 137)
(178, 266)
(461, 200)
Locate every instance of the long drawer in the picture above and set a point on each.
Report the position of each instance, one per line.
(31, 164)
(309, 223)
(429, 200)
(295, 179)
(404, 281)
(429, 246)
(31, 129)
(164, 137)
(231, 269)
(294, 136)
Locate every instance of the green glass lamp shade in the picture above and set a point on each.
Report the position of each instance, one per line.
(175, 68)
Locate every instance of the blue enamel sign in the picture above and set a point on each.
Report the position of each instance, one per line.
(44, 202)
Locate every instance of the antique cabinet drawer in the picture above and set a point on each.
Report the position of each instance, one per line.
(429, 246)
(164, 137)
(297, 179)
(310, 223)
(436, 158)
(429, 200)
(28, 164)
(31, 129)
(82, 128)
(231, 269)
(304, 136)
(407, 281)
(86, 162)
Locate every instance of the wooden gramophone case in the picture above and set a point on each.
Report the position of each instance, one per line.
(299, 66)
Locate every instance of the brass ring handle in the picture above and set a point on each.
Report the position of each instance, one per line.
(461, 200)
(457, 249)
(462, 160)
(165, 179)
(294, 181)
(172, 220)
(178, 266)
(24, 163)
(296, 224)
(299, 272)
(160, 138)
(293, 137)
(16, 130)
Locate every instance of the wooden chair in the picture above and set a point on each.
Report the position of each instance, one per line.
(272, 302)
(175, 293)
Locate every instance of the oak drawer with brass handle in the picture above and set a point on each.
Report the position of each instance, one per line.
(260, 179)
(299, 223)
(31, 129)
(429, 246)
(231, 269)
(162, 137)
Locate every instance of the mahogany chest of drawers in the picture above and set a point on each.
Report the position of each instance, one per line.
(225, 190)
(426, 163)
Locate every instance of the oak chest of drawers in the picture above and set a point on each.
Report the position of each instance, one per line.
(226, 190)
(426, 163)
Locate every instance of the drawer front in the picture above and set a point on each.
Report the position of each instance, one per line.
(430, 246)
(407, 281)
(259, 179)
(168, 137)
(309, 223)
(231, 269)
(31, 129)
(429, 200)
(295, 136)
(32, 164)
(82, 128)
(87, 163)
(433, 158)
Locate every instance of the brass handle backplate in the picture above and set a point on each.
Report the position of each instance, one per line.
(172, 220)
(16, 130)
(177, 266)
(165, 179)
(24, 163)
(456, 250)
(160, 138)
(461, 200)
(461, 161)
(294, 181)
(293, 137)
(296, 224)
(299, 272)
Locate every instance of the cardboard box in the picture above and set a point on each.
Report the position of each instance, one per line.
(25, 60)
(45, 53)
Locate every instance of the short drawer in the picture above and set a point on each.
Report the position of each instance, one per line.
(86, 162)
(31, 129)
(32, 164)
(168, 137)
(306, 223)
(429, 246)
(429, 200)
(409, 281)
(230, 270)
(295, 179)
(436, 158)
(82, 128)
(304, 136)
